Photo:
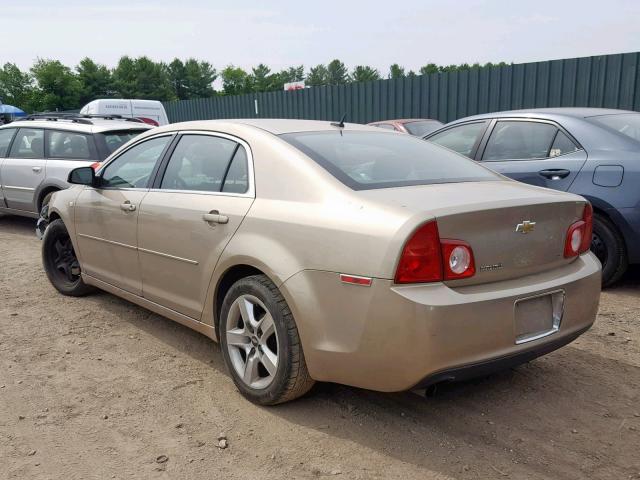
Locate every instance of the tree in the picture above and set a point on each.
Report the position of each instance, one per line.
(142, 78)
(318, 75)
(429, 68)
(337, 73)
(291, 74)
(199, 78)
(59, 88)
(192, 79)
(396, 71)
(16, 87)
(95, 80)
(261, 79)
(234, 80)
(362, 73)
(177, 74)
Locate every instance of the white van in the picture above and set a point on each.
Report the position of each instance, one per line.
(149, 111)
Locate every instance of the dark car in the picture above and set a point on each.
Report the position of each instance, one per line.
(413, 126)
(593, 152)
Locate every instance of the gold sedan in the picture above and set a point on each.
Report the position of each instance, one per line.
(317, 251)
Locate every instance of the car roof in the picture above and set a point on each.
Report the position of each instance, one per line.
(276, 126)
(96, 126)
(573, 112)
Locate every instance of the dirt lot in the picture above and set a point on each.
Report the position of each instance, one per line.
(99, 388)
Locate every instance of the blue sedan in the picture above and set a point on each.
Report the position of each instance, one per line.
(593, 152)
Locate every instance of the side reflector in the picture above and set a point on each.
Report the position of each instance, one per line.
(355, 280)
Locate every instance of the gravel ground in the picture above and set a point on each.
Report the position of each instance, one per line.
(98, 388)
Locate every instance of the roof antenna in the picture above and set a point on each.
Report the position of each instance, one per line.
(341, 123)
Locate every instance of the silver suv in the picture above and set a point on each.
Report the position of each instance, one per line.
(38, 152)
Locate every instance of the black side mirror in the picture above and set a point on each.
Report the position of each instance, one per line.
(82, 176)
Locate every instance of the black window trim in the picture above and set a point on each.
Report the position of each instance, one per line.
(476, 146)
(494, 122)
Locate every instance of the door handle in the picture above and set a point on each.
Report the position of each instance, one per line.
(214, 217)
(127, 206)
(36, 169)
(555, 173)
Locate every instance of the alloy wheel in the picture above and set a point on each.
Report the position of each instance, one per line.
(252, 342)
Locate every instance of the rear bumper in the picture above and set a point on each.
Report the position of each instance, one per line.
(492, 365)
(389, 337)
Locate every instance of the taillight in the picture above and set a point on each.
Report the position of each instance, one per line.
(425, 258)
(578, 239)
(95, 166)
(421, 259)
(457, 258)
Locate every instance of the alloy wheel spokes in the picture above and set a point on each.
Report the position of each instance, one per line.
(252, 341)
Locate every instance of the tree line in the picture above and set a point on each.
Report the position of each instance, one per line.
(50, 85)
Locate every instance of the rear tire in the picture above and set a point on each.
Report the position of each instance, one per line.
(60, 261)
(260, 343)
(608, 245)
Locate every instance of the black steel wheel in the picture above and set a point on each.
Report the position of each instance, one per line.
(60, 261)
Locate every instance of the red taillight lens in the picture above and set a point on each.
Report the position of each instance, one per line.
(458, 260)
(425, 258)
(421, 259)
(579, 234)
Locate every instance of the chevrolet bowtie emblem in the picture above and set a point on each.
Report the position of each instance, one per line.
(525, 227)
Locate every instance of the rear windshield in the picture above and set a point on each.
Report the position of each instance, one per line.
(626, 123)
(367, 160)
(421, 128)
(114, 140)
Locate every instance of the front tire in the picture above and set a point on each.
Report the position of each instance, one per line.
(608, 245)
(60, 261)
(260, 343)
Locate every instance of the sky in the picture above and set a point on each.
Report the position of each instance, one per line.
(285, 33)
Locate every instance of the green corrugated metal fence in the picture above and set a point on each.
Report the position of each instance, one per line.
(610, 81)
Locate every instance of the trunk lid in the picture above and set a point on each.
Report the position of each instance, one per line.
(513, 229)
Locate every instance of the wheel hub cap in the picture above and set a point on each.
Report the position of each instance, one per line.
(252, 342)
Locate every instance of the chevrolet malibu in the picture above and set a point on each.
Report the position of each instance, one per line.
(316, 251)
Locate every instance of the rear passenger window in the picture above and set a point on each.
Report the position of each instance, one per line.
(29, 143)
(514, 140)
(562, 145)
(6, 134)
(462, 139)
(237, 179)
(200, 163)
(70, 145)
